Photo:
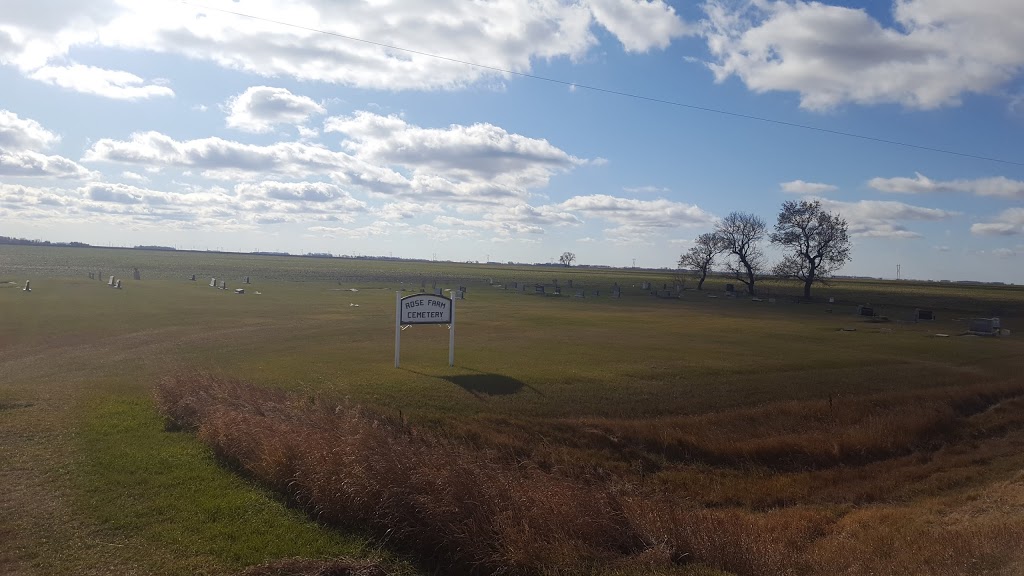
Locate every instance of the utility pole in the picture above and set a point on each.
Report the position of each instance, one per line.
(897, 271)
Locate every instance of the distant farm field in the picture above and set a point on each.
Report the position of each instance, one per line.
(171, 428)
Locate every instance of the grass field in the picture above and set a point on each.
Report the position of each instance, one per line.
(639, 435)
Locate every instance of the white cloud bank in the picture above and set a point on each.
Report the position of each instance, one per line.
(37, 37)
(938, 50)
(1009, 222)
(116, 84)
(883, 219)
(22, 142)
(997, 187)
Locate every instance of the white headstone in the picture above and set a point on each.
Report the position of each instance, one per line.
(223, 285)
(28, 286)
(118, 285)
(213, 282)
(239, 290)
(111, 281)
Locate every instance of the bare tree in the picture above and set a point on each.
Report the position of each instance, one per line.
(567, 258)
(741, 234)
(701, 256)
(818, 242)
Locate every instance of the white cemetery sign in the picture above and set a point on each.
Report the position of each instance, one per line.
(424, 309)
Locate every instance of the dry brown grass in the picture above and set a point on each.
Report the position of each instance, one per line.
(884, 484)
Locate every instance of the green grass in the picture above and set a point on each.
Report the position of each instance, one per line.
(147, 487)
(85, 458)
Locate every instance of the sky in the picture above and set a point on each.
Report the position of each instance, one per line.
(516, 130)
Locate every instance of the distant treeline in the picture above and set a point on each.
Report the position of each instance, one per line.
(27, 242)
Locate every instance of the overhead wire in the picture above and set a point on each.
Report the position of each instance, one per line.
(614, 92)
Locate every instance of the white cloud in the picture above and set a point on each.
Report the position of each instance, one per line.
(128, 175)
(18, 133)
(259, 108)
(28, 164)
(646, 190)
(639, 24)
(245, 207)
(481, 162)
(380, 228)
(1009, 222)
(639, 216)
(116, 84)
(938, 50)
(998, 187)
(505, 34)
(883, 219)
(226, 159)
(1005, 253)
(801, 187)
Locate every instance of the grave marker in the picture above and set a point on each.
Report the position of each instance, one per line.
(28, 286)
(865, 311)
(581, 294)
(539, 289)
(239, 290)
(223, 285)
(558, 290)
(136, 275)
(730, 287)
(247, 280)
(437, 291)
(118, 285)
(984, 326)
(213, 282)
(924, 314)
(193, 278)
(111, 281)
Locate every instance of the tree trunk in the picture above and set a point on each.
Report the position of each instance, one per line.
(807, 289)
(700, 284)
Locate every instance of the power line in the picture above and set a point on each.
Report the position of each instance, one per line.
(616, 92)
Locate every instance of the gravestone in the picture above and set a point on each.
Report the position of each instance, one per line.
(984, 326)
(91, 276)
(118, 285)
(438, 291)
(490, 281)
(462, 289)
(135, 274)
(831, 300)
(924, 314)
(193, 278)
(213, 282)
(433, 286)
(223, 285)
(569, 283)
(458, 295)
(645, 286)
(581, 294)
(239, 290)
(730, 287)
(865, 311)
(99, 275)
(247, 280)
(558, 291)
(111, 281)
(597, 293)
(522, 287)
(423, 284)
(28, 286)
(538, 289)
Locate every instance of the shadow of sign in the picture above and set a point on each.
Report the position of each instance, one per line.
(490, 384)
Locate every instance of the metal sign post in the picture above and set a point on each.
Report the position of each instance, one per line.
(424, 309)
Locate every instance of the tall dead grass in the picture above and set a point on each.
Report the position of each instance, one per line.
(464, 507)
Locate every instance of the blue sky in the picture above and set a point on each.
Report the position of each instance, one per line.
(155, 122)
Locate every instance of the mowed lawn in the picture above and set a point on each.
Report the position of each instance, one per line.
(94, 485)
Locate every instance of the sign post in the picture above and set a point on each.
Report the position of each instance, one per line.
(424, 309)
